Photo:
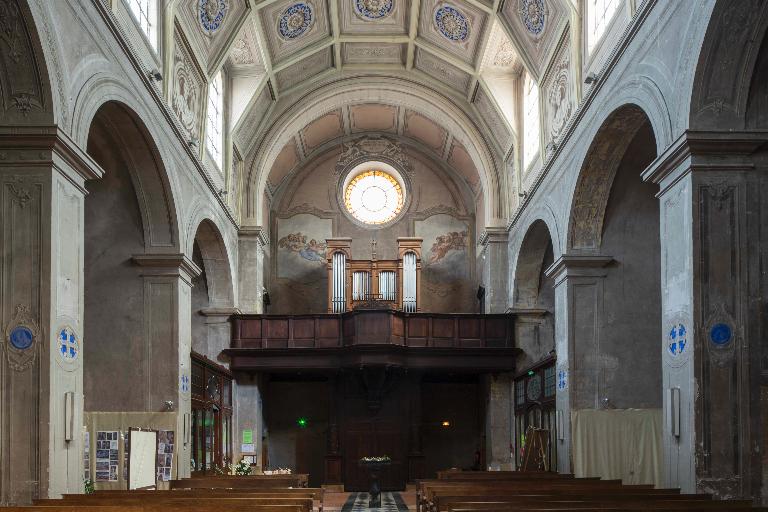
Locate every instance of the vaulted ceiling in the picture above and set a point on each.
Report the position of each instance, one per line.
(280, 55)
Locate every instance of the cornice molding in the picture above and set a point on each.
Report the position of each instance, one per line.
(257, 232)
(167, 265)
(578, 265)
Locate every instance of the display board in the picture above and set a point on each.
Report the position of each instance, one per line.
(142, 460)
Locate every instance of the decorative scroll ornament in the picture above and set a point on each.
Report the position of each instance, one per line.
(452, 23)
(533, 14)
(21, 337)
(374, 9)
(295, 20)
(373, 148)
(212, 13)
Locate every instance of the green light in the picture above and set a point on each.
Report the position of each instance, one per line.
(530, 373)
(302, 422)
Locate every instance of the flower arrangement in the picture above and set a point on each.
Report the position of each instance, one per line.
(379, 460)
(243, 468)
(88, 487)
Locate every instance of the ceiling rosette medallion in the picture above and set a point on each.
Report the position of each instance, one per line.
(374, 9)
(533, 14)
(212, 14)
(452, 23)
(295, 20)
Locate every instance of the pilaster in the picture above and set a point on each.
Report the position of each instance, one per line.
(712, 242)
(251, 246)
(578, 307)
(42, 178)
(495, 250)
(167, 331)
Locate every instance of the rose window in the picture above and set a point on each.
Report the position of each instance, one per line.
(374, 197)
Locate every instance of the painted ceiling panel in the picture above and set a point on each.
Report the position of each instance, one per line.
(424, 130)
(384, 17)
(456, 27)
(304, 69)
(322, 130)
(208, 25)
(441, 70)
(291, 26)
(286, 161)
(535, 27)
(373, 53)
(460, 160)
(373, 117)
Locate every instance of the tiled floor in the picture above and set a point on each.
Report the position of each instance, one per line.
(334, 501)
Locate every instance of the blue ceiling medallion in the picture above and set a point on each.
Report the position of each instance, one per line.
(452, 23)
(21, 337)
(295, 20)
(720, 334)
(374, 9)
(533, 14)
(212, 13)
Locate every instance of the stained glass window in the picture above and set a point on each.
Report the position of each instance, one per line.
(599, 15)
(374, 197)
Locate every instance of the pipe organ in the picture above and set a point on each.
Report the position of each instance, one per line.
(373, 283)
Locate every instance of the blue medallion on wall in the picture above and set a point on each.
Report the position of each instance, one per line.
(452, 23)
(533, 15)
(677, 340)
(562, 380)
(211, 14)
(184, 383)
(21, 337)
(69, 348)
(295, 20)
(374, 9)
(720, 334)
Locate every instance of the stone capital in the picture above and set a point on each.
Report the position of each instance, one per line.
(493, 235)
(578, 265)
(256, 233)
(46, 147)
(167, 265)
(704, 151)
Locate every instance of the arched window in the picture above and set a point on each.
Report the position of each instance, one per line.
(215, 129)
(530, 120)
(145, 13)
(599, 15)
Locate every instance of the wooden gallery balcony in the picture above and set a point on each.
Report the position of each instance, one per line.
(453, 342)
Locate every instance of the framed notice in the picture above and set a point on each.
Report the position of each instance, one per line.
(142, 463)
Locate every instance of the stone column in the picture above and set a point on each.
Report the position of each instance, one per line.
(251, 246)
(495, 271)
(578, 308)
(247, 416)
(42, 178)
(167, 329)
(498, 421)
(712, 240)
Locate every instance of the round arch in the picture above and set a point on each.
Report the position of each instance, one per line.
(364, 90)
(216, 262)
(141, 155)
(529, 265)
(593, 186)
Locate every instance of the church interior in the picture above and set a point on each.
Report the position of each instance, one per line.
(411, 255)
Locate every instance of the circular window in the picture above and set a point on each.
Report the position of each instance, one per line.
(374, 194)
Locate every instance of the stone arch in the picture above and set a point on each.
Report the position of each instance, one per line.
(364, 89)
(114, 120)
(216, 263)
(537, 245)
(25, 88)
(597, 173)
(726, 64)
